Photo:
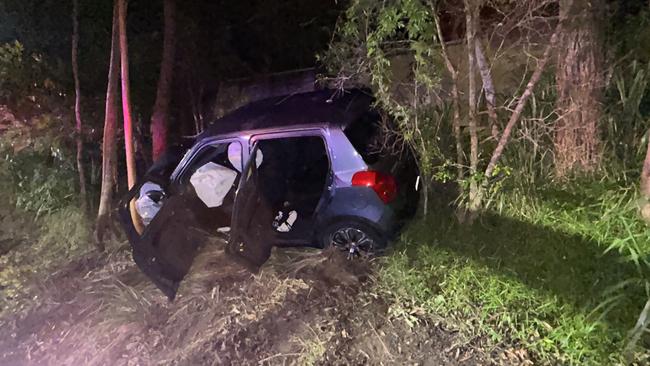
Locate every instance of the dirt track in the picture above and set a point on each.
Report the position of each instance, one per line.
(304, 307)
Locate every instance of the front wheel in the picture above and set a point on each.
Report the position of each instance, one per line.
(356, 239)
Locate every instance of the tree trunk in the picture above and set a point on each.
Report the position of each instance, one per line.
(126, 107)
(580, 82)
(488, 88)
(645, 172)
(126, 95)
(77, 104)
(160, 115)
(109, 153)
(645, 184)
(455, 99)
(470, 19)
(516, 114)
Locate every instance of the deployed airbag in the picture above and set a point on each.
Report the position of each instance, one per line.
(212, 182)
(146, 207)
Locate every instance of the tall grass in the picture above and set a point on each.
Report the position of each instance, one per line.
(559, 271)
(40, 218)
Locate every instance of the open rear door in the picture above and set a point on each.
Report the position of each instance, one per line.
(250, 240)
(281, 189)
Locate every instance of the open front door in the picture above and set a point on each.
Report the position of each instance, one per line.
(167, 247)
(200, 203)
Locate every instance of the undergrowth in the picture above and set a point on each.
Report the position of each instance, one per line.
(560, 272)
(41, 225)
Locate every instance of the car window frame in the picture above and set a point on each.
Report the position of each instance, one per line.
(314, 132)
(330, 181)
(188, 159)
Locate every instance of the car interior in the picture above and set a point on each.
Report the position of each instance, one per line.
(293, 177)
(211, 218)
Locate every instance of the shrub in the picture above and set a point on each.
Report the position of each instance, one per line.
(38, 170)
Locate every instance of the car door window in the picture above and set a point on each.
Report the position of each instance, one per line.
(227, 154)
(292, 177)
(283, 184)
(211, 179)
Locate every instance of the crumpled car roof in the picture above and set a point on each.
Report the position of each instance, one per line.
(336, 107)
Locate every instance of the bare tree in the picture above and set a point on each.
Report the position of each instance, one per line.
(77, 103)
(109, 153)
(455, 98)
(126, 95)
(488, 88)
(471, 10)
(126, 105)
(160, 115)
(516, 114)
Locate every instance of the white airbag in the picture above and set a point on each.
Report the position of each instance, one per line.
(145, 206)
(212, 182)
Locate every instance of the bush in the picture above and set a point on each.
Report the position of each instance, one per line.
(12, 73)
(38, 171)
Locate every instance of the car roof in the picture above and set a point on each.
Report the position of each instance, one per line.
(327, 106)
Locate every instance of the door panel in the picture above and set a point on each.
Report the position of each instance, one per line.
(167, 248)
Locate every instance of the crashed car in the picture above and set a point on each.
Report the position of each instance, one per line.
(300, 170)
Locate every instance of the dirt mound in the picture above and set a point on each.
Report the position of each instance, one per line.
(304, 307)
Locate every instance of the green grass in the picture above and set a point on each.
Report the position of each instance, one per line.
(41, 224)
(560, 272)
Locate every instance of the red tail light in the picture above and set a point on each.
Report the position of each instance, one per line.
(383, 184)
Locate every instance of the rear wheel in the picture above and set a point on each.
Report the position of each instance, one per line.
(356, 239)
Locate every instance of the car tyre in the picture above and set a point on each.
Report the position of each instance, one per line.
(357, 239)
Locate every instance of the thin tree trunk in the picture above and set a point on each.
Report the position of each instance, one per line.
(470, 19)
(580, 81)
(160, 115)
(455, 99)
(645, 184)
(516, 114)
(109, 153)
(488, 88)
(645, 172)
(126, 108)
(126, 95)
(77, 104)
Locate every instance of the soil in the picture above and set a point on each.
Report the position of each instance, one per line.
(304, 307)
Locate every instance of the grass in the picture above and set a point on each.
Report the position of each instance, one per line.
(53, 241)
(559, 271)
(312, 348)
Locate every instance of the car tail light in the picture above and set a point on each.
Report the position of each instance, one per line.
(383, 184)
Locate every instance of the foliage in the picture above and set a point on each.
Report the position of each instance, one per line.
(373, 37)
(628, 114)
(39, 169)
(39, 214)
(12, 74)
(22, 73)
(627, 101)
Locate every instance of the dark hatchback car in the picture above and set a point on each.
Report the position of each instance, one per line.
(299, 170)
